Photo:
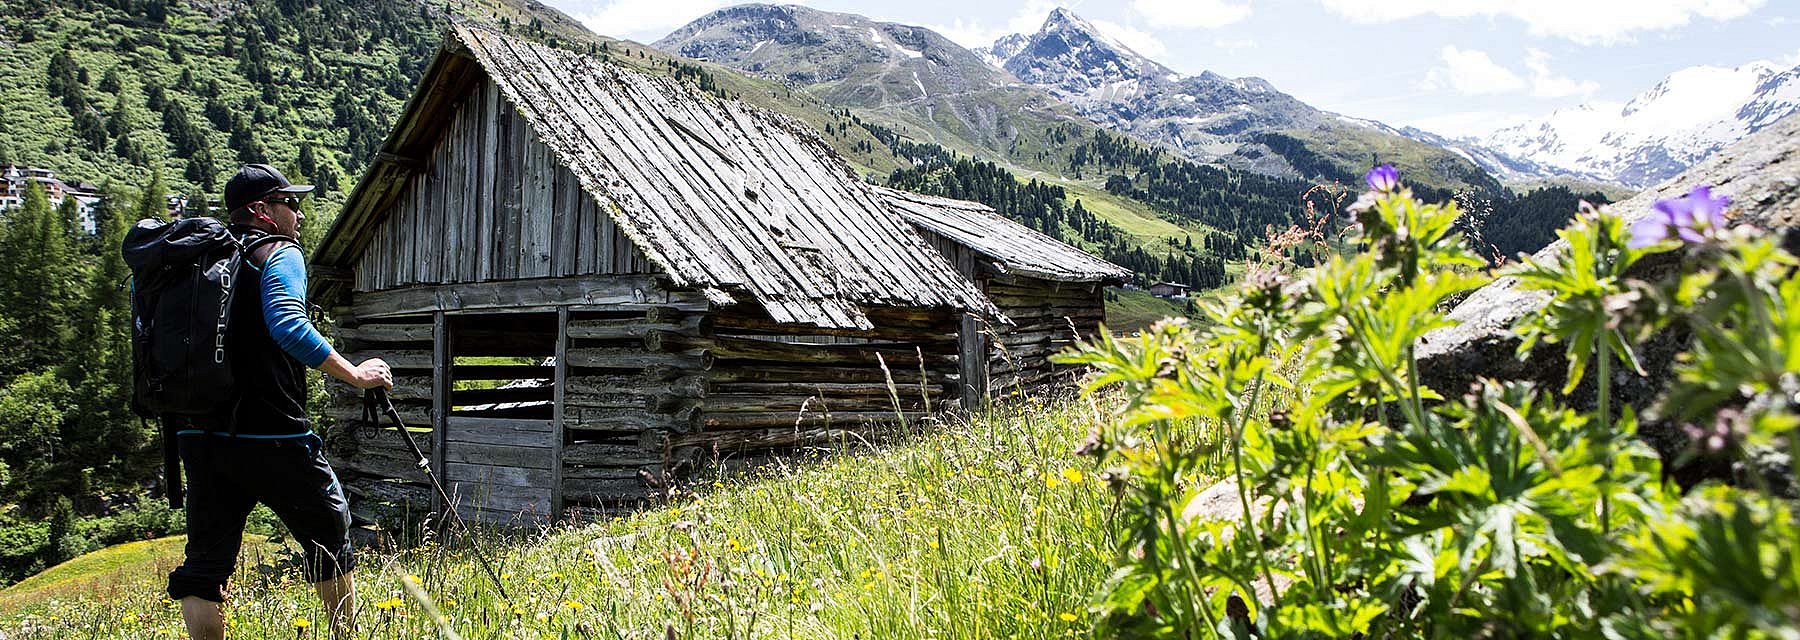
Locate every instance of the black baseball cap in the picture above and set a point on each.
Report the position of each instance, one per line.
(256, 181)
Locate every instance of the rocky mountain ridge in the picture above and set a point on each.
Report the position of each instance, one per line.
(1067, 72)
(1684, 118)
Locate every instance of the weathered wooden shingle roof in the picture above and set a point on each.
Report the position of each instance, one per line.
(724, 197)
(1014, 248)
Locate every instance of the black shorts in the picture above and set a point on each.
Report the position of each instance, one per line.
(227, 476)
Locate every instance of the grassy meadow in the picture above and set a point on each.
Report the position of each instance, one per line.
(982, 528)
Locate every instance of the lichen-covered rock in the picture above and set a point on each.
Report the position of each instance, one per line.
(1761, 175)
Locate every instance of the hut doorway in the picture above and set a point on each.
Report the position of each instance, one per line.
(501, 442)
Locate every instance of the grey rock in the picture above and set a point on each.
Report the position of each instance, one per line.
(1761, 175)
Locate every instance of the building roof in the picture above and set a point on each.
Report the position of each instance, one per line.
(1014, 248)
(726, 198)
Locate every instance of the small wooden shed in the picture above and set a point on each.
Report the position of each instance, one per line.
(589, 279)
(1050, 292)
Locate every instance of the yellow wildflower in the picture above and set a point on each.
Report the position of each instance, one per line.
(1068, 617)
(573, 605)
(302, 623)
(1072, 475)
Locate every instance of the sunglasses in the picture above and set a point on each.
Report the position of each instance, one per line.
(292, 202)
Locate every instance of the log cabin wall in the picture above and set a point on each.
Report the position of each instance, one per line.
(491, 202)
(776, 388)
(531, 399)
(1048, 316)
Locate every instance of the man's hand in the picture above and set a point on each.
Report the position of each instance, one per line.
(373, 373)
(368, 375)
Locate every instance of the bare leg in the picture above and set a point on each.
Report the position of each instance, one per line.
(339, 596)
(205, 618)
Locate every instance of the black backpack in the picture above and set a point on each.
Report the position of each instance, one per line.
(182, 275)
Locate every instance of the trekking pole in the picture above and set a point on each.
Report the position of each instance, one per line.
(377, 398)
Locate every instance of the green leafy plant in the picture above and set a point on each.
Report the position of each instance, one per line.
(1358, 501)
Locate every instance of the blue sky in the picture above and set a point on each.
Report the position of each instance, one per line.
(1455, 67)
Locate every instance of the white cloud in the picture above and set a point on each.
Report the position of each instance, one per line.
(1234, 45)
(1190, 14)
(1472, 72)
(1136, 39)
(1602, 22)
(1546, 84)
(647, 20)
(1027, 20)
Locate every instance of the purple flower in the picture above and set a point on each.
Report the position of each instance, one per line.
(1691, 218)
(1382, 178)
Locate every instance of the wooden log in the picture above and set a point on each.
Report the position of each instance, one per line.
(634, 329)
(499, 454)
(626, 420)
(1013, 338)
(497, 475)
(844, 374)
(1024, 290)
(731, 403)
(752, 349)
(544, 292)
(515, 432)
(971, 366)
(497, 496)
(828, 389)
(411, 359)
(606, 489)
(750, 439)
(615, 358)
(1053, 324)
(405, 388)
(412, 413)
(375, 490)
(380, 467)
(727, 421)
(673, 342)
(596, 454)
(371, 332)
(687, 386)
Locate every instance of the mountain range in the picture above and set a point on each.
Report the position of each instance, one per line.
(1067, 73)
(1684, 118)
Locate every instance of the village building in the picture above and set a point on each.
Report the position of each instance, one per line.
(591, 281)
(15, 179)
(1169, 290)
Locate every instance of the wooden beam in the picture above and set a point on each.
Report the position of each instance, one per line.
(440, 397)
(559, 411)
(597, 290)
(972, 351)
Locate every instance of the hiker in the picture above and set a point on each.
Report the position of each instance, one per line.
(262, 447)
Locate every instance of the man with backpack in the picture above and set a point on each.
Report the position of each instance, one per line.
(256, 444)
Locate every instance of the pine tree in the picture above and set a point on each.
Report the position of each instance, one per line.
(39, 275)
(103, 435)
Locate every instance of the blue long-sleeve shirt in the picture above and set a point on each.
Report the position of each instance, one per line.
(284, 307)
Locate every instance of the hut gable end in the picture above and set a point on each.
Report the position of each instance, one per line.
(583, 167)
(490, 203)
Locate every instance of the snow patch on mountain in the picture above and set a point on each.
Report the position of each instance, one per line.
(1686, 117)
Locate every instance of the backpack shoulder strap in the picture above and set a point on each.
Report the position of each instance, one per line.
(257, 249)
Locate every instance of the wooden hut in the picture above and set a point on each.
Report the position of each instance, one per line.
(1051, 292)
(588, 279)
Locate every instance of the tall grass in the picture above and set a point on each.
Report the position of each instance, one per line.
(988, 528)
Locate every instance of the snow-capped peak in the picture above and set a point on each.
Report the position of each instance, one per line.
(1685, 117)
